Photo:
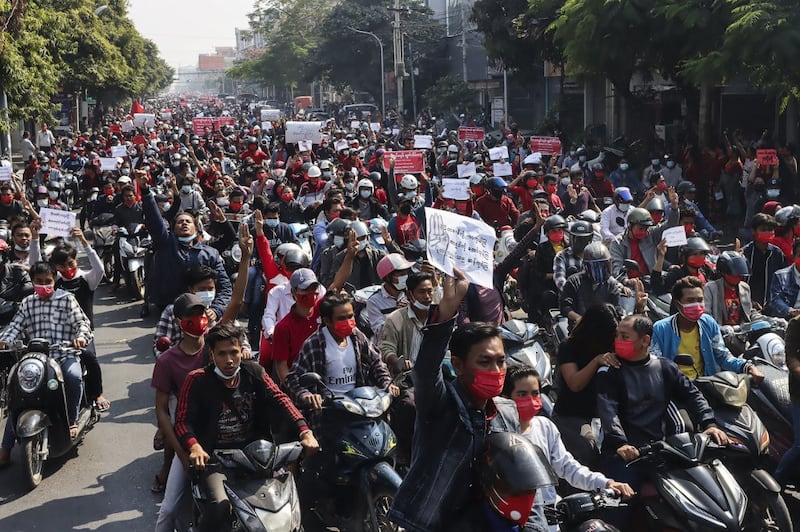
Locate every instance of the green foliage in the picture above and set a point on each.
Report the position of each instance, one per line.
(453, 95)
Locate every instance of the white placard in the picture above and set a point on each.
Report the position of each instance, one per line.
(304, 145)
(375, 126)
(119, 151)
(675, 236)
(108, 164)
(458, 241)
(423, 142)
(395, 131)
(501, 152)
(266, 126)
(270, 114)
(466, 170)
(501, 169)
(297, 131)
(166, 116)
(56, 222)
(144, 120)
(457, 189)
(355, 124)
(127, 126)
(5, 173)
(340, 145)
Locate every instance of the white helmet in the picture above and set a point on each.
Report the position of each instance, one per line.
(365, 183)
(314, 171)
(409, 182)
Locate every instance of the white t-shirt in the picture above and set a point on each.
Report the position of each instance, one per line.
(340, 364)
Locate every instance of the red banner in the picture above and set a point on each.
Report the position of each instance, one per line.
(202, 122)
(471, 133)
(405, 162)
(546, 145)
(767, 157)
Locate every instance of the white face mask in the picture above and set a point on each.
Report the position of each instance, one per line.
(218, 373)
(401, 282)
(41, 202)
(349, 186)
(362, 244)
(186, 189)
(565, 181)
(338, 241)
(624, 207)
(207, 297)
(420, 306)
(365, 193)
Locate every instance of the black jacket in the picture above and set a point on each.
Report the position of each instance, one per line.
(15, 284)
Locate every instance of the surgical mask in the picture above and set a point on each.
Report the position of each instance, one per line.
(401, 282)
(624, 167)
(186, 189)
(365, 193)
(44, 291)
(624, 349)
(565, 181)
(362, 244)
(338, 241)
(17, 247)
(195, 326)
(167, 205)
(53, 194)
(272, 223)
(420, 306)
(528, 407)
(582, 158)
(207, 297)
(125, 171)
(692, 311)
(624, 207)
(349, 186)
(655, 162)
(146, 168)
(670, 164)
(486, 384)
(70, 273)
(218, 373)
(187, 239)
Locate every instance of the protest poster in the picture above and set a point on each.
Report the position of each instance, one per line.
(767, 157)
(423, 142)
(501, 169)
(501, 152)
(355, 124)
(56, 222)
(200, 123)
(5, 173)
(222, 121)
(405, 162)
(266, 126)
(297, 131)
(457, 189)
(144, 120)
(466, 170)
(458, 241)
(675, 236)
(340, 145)
(375, 126)
(268, 115)
(127, 126)
(304, 145)
(546, 145)
(471, 133)
(119, 151)
(166, 116)
(108, 164)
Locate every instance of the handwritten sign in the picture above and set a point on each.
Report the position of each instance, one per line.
(266, 126)
(457, 189)
(375, 126)
(166, 116)
(108, 164)
(501, 169)
(423, 142)
(119, 151)
(304, 145)
(297, 131)
(767, 157)
(458, 241)
(340, 145)
(144, 120)
(268, 115)
(56, 222)
(5, 173)
(546, 145)
(501, 152)
(405, 162)
(127, 126)
(471, 133)
(355, 124)
(675, 236)
(466, 170)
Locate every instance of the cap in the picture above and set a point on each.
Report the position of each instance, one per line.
(185, 303)
(124, 180)
(303, 279)
(391, 263)
(623, 193)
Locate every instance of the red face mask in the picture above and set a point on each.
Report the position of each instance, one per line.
(551, 189)
(307, 300)
(657, 217)
(478, 191)
(555, 236)
(287, 197)
(344, 328)
(599, 175)
(532, 183)
(108, 192)
(130, 203)
(797, 263)
(688, 228)
(333, 216)
(692, 311)
(195, 326)
(236, 207)
(763, 237)
(696, 262)
(734, 280)
(6, 200)
(640, 233)
(528, 407)
(516, 508)
(44, 291)
(624, 349)
(661, 186)
(486, 384)
(69, 273)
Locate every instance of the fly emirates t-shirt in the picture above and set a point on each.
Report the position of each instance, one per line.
(340, 364)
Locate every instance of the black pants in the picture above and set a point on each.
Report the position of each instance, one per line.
(579, 440)
(94, 377)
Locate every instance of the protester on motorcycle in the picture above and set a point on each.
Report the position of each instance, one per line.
(10, 207)
(656, 209)
(785, 287)
(338, 233)
(496, 208)
(330, 211)
(569, 260)
(365, 266)
(576, 198)
(542, 286)
(636, 405)
(365, 203)
(394, 270)
(692, 332)
(786, 230)
(763, 258)
(21, 236)
(523, 385)
(787, 470)
(728, 298)
(228, 404)
(693, 263)
(55, 316)
(613, 217)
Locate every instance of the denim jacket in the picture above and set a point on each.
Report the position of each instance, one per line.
(782, 292)
(716, 356)
(448, 438)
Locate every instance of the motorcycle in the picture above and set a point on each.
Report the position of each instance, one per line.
(71, 192)
(259, 486)
(579, 512)
(771, 401)
(37, 402)
(727, 394)
(103, 242)
(762, 338)
(376, 226)
(133, 244)
(522, 347)
(360, 297)
(304, 237)
(688, 490)
(352, 425)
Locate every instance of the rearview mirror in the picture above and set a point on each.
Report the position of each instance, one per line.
(310, 379)
(631, 265)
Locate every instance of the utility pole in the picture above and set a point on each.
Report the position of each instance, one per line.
(413, 83)
(463, 6)
(399, 67)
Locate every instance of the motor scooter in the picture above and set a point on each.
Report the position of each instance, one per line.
(103, 236)
(580, 512)
(133, 244)
(37, 403)
(259, 485)
(522, 345)
(352, 427)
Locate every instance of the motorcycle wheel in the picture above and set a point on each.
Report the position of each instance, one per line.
(32, 450)
(108, 266)
(770, 514)
(381, 502)
(136, 283)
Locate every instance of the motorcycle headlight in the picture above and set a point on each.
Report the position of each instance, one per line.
(688, 505)
(734, 396)
(30, 375)
(376, 406)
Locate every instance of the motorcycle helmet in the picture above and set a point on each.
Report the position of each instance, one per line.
(597, 262)
(580, 235)
(415, 250)
(695, 244)
(296, 258)
(656, 204)
(365, 183)
(589, 216)
(554, 222)
(283, 249)
(314, 172)
(477, 179)
(787, 216)
(409, 182)
(360, 228)
(451, 169)
(685, 187)
(639, 216)
(373, 176)
(338, 226)
(733, 263)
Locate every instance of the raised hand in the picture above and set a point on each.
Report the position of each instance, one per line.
(245, 241)
(258, 222)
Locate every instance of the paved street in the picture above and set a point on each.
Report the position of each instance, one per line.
(105, 485)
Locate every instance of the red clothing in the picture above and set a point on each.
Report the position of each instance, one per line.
(274, 277)
(555, 202)
(785, 243)
(290, 333)
(733, 307)
(636, 254)
(600, 188)
(497, 213)
(407, 229)
(172, 367)
(525, 197)
(258, 156)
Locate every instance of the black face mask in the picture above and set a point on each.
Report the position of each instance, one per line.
(405, 209)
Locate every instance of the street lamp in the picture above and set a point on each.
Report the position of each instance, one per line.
(383, 90)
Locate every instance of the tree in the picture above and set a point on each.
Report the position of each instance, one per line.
(451, 95)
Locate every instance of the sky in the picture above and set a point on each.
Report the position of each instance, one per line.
(182, 29)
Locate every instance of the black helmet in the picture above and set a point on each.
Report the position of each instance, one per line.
(252, 140)
(415, 250)
(375, 176)
(597, 262)
(338, 226)
(580, 228)
(554, 222)
(694, 244)
(451, 169)
(686, 186)
(596, 251)
(511, 464)
(296, 257)
(732, 263)
(787, 216)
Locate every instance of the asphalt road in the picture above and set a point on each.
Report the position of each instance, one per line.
(105, 484)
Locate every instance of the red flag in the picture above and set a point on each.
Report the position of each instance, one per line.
(136, 107)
